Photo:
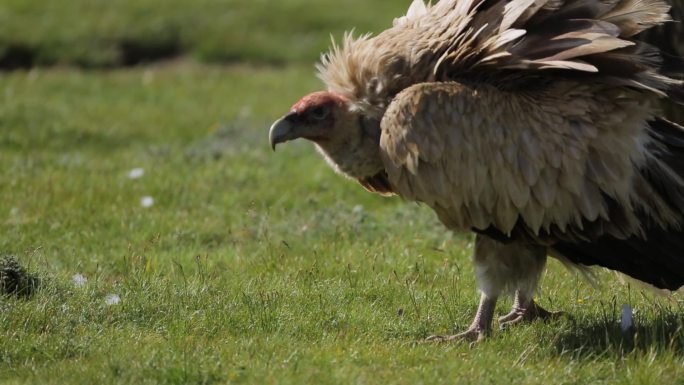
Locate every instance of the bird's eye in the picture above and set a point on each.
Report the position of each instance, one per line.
(319, 113)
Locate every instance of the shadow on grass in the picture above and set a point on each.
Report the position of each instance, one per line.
(663, 330)
(119, 52)
(16, 56)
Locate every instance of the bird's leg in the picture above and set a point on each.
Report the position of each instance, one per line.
(515, 266)
(482, 323)
(518, 310)
(524, 309)
(479, 328)
(486, 258)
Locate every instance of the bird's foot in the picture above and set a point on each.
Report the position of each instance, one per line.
(473, 334)
(531, 312)
(479, 328)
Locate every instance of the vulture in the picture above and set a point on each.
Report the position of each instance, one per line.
(535, 124)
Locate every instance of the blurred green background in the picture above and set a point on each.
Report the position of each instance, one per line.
(109, 33)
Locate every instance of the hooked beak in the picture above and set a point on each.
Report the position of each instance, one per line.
(282, 130)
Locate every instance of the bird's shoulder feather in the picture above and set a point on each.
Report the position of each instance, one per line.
(482, 157)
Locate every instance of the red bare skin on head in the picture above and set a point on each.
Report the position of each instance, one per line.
(319, 111)
(315, 99)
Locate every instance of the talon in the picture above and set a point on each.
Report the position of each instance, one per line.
(479, 328)
(538, 312)
(514, 315)
(531, 313)
(441, 339)
(470, 335)
(503, 325)
(436, 338)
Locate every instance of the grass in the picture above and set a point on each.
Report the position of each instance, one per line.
(107, 33)
(255, 267)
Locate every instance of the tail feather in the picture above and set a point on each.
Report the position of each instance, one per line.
(667, 37)
(657, 257)
(665, 171)
(657, 260)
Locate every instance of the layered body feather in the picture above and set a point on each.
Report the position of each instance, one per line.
(549, 159)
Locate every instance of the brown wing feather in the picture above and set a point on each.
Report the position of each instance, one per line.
(560, 159)
(508, 43)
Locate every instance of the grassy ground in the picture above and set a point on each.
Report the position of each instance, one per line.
(254, 267)
(105, 33)
(249, 266)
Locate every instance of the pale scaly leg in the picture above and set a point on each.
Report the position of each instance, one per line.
(485, 256)
(531, 260)
(514, 266)
(479, 328)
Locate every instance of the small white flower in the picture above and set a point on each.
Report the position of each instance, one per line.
(136, 173)
(79, 280)
(146, 201)
(627, 318)
(112, 299)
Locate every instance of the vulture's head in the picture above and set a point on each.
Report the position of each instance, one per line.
(347, 140)
(319, 117)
